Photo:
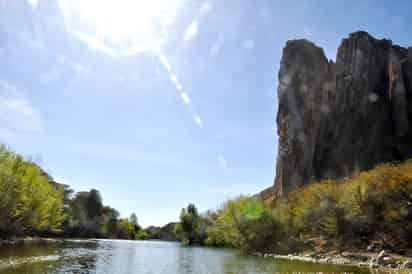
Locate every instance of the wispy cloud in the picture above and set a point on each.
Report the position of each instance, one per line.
(33, 3)
(73, 65)
(191, 31)
(185, 98)
(16, 112)
(215, 49)
(26, 37)
(205, 8)
(50, 75)
(198, 121)
(94, 43)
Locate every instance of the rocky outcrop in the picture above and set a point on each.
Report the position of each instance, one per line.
(335, 119)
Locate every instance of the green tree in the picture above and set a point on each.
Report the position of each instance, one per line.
(110, 220)
(133, 219)
(30, 202)
(244, 223)
(187, 228)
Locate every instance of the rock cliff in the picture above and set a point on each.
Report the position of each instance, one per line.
(335, 119)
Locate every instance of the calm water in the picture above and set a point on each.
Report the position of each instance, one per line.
(113, 257)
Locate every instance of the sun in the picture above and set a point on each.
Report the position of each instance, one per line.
(121, 25)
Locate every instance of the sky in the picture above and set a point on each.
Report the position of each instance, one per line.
(158, 104)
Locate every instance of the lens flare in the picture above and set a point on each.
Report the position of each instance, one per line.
(123, 26)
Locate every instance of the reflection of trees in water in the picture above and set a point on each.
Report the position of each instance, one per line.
(155, 257)
(253, 264)
(61, 257)
(185, 259)
(203, 260)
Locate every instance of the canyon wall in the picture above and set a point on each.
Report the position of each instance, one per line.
(335, 119)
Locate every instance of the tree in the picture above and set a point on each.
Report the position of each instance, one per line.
(30, 202)
(110, 220)
(244, 223)
(187, 228)
(136, 227)
(133, 219)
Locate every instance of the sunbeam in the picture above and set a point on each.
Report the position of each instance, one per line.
(122, 27)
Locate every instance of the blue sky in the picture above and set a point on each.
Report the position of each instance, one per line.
(174, 107)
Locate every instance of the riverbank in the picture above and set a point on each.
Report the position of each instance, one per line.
(381, 261)
(114, 256)
(38, 240)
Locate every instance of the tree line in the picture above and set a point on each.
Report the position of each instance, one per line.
(372, 208)
(33, 204)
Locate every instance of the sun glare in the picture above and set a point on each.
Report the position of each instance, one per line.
(123, 24)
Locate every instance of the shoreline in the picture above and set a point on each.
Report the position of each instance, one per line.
(47, 240)
(40, 240)
(384, 261)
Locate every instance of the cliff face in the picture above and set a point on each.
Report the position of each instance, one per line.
(338, 118)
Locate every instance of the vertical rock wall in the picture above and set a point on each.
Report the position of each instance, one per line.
(336, 119)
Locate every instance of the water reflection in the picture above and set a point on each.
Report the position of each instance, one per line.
(145, 257)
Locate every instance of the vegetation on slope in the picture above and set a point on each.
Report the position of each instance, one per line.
(371, 207)
(32, 203)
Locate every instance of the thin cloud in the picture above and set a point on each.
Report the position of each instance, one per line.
(215, 49)
(185, 98)
(173, 78)
(33, 3)
(191, 31)
(16, 112)
(179, 88)
(73, 65)
(163, 60)
(94, 43)
(27, 38)
(205, 8)
(198, 121)
(50, 76)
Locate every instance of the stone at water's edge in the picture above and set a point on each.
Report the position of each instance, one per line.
(338, 118)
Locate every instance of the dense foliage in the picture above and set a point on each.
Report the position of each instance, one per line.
(244, 223)
(32, 203)
(187, 230)
(374, 205)
(371, 207)
(29, 201)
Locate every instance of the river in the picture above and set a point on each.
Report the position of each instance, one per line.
(115, 256)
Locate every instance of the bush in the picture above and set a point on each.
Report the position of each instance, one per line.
(374, 205)
(246, 224)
